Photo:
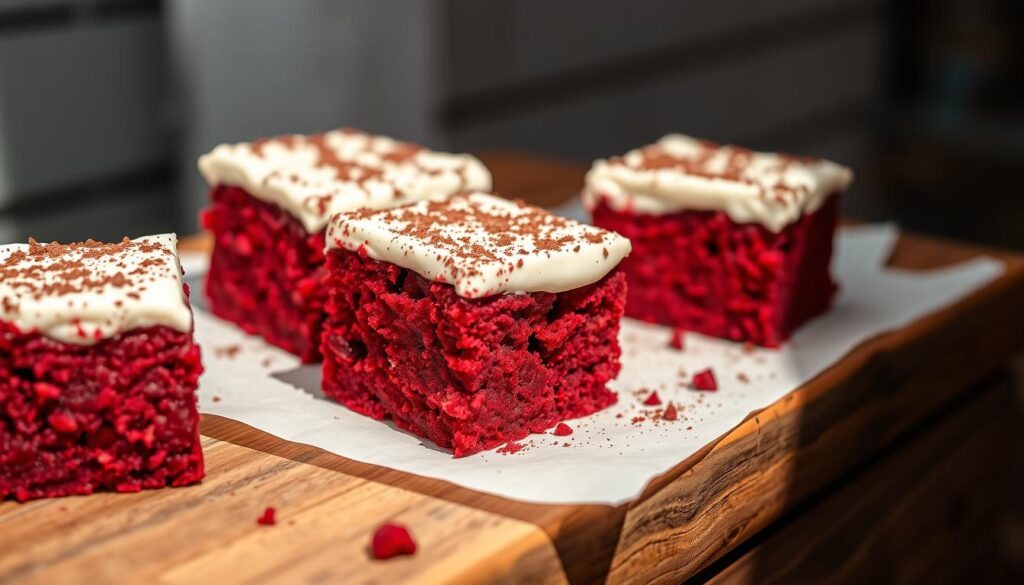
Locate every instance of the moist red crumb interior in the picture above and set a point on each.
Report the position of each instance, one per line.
(468, 374)
(117, 415)
(265, 271)
(700, 271)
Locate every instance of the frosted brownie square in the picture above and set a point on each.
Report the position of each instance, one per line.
(726, 241)
(270, 203)
(473, 321)
(98, 369)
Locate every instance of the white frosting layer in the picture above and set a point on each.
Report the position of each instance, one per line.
(83, 293)
(314, 177)
(483, 245)
(680, 173)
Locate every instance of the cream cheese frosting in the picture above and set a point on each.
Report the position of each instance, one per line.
(83, 293)
(483, 245)
(680, 173)
(313, 177)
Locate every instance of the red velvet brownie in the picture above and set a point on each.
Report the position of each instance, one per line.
(473, 321)
(726, 241)
(270, 203)
(98, 370)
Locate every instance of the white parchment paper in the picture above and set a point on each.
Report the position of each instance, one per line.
(611, 455)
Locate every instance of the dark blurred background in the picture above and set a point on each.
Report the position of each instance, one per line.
(105, 104)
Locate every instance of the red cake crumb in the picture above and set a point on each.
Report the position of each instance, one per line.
(653, 399)
(269, 517)
(700, 271)
(469, 374)
(265, 272)
(677, 339)
(510, 448)
(118, 415)
(670, 413)
(705, 380)
(743, 377)
(391, 540)
(562, 430)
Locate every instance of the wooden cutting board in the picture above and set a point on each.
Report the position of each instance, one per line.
(759, 475)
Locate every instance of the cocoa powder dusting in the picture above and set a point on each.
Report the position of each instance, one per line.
(493, 234)
(56, 269)
(375, 159)
(730, 163)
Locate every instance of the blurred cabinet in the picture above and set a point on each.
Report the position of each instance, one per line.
(491, 44)
(582, 79)
(80, 103)
(764, 98)
(105, 104)
(82, 130)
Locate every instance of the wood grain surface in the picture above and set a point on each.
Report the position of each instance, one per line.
(891, 390)
(906, 519)
(208, 533)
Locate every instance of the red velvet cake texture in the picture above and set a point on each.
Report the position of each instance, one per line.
(117, 415)
(700, 271)
(468, 374)
(265, 271)
(270, 201)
